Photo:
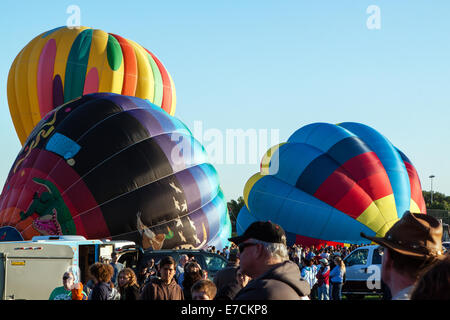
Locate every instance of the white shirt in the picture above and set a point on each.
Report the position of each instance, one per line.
(404, 294)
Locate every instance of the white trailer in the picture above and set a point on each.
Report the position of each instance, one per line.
(30, 270)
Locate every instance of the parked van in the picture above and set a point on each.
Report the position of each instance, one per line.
(363, 272)
(32, 269)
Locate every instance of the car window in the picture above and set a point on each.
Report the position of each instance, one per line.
(376, 258)
(357, 257)
(200, 260)
(214, 263)
(157, 257)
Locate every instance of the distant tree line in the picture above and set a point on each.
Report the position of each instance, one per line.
(233, 209)
(440, 200)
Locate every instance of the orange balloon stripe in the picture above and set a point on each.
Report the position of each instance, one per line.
(21, 224)
(167, 88)
(6, 214)
(130, 66)
(29, 232)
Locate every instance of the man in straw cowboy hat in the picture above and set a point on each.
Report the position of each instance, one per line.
(411, 245)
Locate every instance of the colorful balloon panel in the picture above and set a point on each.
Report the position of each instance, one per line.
(65, 63)
(245, 218)
(330, 182)
(112, 166)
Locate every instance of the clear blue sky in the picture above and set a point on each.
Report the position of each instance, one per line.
(244, 64)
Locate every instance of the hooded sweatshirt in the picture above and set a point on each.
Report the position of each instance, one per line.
(101, 291)
(282, 282)
(156, 289)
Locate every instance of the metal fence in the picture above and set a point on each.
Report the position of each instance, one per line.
(443, 215)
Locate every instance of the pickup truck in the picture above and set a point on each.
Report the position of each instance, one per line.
(363, 273)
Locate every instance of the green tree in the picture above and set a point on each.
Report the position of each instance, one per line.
(440, 200)
(233, 209)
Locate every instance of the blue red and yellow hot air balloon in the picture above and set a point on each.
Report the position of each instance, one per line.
(329, 182)
(112, 166)
(65, 63)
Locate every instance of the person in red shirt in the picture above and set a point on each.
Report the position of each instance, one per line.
(323, 280)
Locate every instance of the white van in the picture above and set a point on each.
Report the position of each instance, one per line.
(363, 272)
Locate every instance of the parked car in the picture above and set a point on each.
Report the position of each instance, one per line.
(446, 245)
(363, 272)
(135, 258)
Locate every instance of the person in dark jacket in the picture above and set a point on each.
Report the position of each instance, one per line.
(227, 275)
(128, 286)
(229, 291)
(102, 274)
(264, 257)
(165, 287)
(192, 274)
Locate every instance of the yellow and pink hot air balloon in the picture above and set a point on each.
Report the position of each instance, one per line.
(65, 63)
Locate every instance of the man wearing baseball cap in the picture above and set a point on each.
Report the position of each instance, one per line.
(411, 245)
(264, 257)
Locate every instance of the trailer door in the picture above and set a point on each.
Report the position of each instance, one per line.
(33, 277)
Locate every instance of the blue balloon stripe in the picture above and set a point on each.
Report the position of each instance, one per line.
(46, 34)
(347, 149)
(293, 159)
(271, 199)
(403, 156)
(215, 211)
(244, 219)
(320, 135)
(316, 173)
(207, 181)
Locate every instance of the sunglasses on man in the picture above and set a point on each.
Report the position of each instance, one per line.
(244, 245)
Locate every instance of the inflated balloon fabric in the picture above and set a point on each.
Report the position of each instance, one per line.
(112, 166)
(65, 63)
(330, 182)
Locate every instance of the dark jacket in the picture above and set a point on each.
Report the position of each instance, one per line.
(189, 279)
(228, 292)
(101, 291)
(282, 282)
(156, 289)
(225, 277)
(130, 293)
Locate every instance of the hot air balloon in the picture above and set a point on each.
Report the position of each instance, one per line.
(330, 182)
(65, 63)
(119, 167)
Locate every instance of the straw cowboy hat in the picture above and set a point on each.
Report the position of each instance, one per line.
(415, 235)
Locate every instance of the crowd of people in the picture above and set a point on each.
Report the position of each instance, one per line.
(262, 267)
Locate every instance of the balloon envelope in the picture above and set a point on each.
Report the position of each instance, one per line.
(65, 63)
(330, 182)
(113, 166)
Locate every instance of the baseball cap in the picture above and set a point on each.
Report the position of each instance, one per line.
(266, 231)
